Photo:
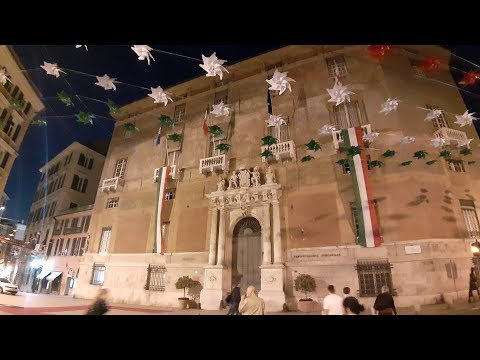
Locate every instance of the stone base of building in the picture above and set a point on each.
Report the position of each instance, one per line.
(212, 293)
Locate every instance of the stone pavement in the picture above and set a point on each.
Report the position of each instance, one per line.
(41, 304)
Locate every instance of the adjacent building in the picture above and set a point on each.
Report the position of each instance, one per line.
(172, 203)
(20, 101)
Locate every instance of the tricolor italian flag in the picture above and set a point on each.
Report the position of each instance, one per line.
(368, 232)
(159, 245)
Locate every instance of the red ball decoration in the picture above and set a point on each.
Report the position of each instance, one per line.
(379, 51)
(429, 64)
(470, 78)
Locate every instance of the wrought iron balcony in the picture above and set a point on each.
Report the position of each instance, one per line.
(156, 173)
(450, 135)
(283, 150)
(213, 164)
(111, 184)
(338, 138)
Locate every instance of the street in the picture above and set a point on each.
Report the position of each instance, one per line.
(41, 304)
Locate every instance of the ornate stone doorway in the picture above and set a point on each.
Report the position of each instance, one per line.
(247, 253)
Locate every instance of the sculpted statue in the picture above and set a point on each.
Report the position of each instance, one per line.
(270, 176)
(255, 177)
(221, 184)
(233, 182)
(244, 178)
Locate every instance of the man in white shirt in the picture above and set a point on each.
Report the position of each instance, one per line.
(333, 303)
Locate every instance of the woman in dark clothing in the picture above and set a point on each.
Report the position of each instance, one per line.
(233, 300)
(384, 303)
(100, 306)
(473, 285)
(352, 306)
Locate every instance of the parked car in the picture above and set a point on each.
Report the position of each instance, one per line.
(7, 287)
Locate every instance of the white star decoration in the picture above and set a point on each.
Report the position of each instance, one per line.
(370, 137)
(389, 106)
(464, 143)
(326, 129)
(220, 110)
(159, 96)
(407, 140)
(339, 93)
(432, 114)
(280, 82)
(213, 66)
(438, 142)
(143, 52)
(3, 77)
(79, 46)
(275, 120)
(51, 69)
(465, 119)
(106, 82)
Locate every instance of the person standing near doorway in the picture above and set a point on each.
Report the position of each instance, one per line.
(333, 303)
(384, 303)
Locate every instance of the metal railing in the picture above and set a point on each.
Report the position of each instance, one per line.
(451, 135)
(111, 184)
(212, 164)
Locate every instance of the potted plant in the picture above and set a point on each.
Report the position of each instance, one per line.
(183, 282)
(305, 284)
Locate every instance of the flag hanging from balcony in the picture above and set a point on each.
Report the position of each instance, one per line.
(159, 244)
(368, 229)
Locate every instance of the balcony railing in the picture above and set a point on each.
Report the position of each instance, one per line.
(111, 184)
(450, 135)
(338, 138)
(156, 173)
(212, 164)
(283, 150)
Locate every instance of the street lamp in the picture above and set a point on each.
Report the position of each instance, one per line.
(475, 247)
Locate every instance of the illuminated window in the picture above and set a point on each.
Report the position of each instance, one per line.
(347, 115)
(105, 240)
(372, 275)
(98, 274)
(281, 132)
(156, 278)
(455, 165)
(112, 203)
(170, 194)
(120, 168)
(336, 66)
(179, 113)
(470, 216)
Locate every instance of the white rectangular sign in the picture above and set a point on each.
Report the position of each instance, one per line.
(413, 249)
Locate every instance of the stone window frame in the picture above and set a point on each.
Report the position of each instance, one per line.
(372, 275)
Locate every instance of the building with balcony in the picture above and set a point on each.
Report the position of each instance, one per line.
(20, 101)
(69, 180)
(231, 213)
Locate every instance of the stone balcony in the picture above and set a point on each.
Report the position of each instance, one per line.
(281, 151)
(212, 164)
(338, 138)
(156, 173)
(111, 185)
(450, 135)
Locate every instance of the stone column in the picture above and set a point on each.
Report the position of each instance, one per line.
(213, 237)
(277, 240)
(267, 243)
(221, 237)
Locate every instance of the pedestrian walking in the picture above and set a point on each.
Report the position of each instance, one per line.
(251, 304)
(473, 286)
(233, 300)
(384, 303)
(100, 305)
(346, 292)
(352, 306)
(333, 303)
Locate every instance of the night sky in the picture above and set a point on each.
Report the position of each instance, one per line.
(118, 61)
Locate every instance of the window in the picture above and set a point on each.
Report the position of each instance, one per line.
(74, 250)
(170, 194)
(212, 150)
(355, 217)
(281, 133)
(156, 278)
(346, 168)
(455, 165)
(65, 251)
(15, 91)
(9, 127)
(82, 160)
(98, 274)
(120, 167)
(416, 71)
(63, 180)
(221, 96)
(440, 121)
(82, 246)
(84, 186)
(17, 131)
(179, 113)
(28, 106)
(90, 163)
(336, 66)
(372, 275)
(52, 209)
(50, 246)
(112, 203)
(6, 156)
(87, 223)
(471, 219)
(172, 157)
(72, 205)
(105, 240)
(60, 248)
(75, 182)
(74, 223)
(347, 115)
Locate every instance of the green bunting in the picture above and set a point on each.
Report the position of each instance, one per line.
(223, 147)
(38, 122)
(64, 98)
(389, 153)
(84, 118)
(406, 163)
(267, 153)
(431, 162)
(112, 107)
(175, 137)
(17, 104)
(422, 154)
(165, 121)
(445, 154)
(269, 140)
(307, 158)
(466, 152)
(376, 163)
(130, 127)
(215, 130)
(342, 162)
(354, 150)
(313, 145)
